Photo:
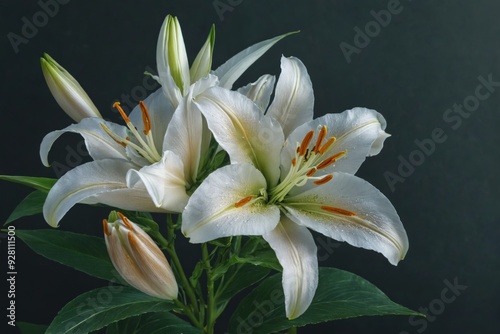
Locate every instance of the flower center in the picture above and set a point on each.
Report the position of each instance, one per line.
(306, 162)
(143, 144)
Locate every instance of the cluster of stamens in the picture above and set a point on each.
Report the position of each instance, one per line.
(145, 144)
(306, 163)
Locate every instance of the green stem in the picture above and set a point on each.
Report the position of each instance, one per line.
(292, 330)
(211, 312)
(169, 246)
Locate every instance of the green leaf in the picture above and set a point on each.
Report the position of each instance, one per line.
(100, 307)
(264, 258)
(40, 183)
(31, 205)
(27, 328)
(152, 323)
(82, 252)
(340, 295)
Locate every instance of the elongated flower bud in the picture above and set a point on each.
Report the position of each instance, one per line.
(138, 259)
(67, 91)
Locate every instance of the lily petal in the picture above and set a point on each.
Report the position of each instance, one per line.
(240, 128)
(202, 64)
(188, 135)
(297, 253)
(218, 208)
(359, 132)
(232, 69)
(164, 182)
(350, 209)
(294, 98)
(99, 144)
(84, 183)
(259, 91)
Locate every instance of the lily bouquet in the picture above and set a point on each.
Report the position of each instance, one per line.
(244, 178)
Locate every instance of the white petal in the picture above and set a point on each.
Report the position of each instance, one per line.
(296, 251)
(164, 182)
(259, 91)
(374, 224)
(294, 97)
(232, 69)
(188, 135)
(360, 131)
(99, 144)
(240, 128)
(84, 183)
(160, 112)
(170, 89)
(211, 212)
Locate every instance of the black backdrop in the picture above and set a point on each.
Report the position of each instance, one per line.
(432, 56)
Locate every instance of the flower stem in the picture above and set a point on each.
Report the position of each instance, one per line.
(178, 266)
(211, 312)
(188, 312)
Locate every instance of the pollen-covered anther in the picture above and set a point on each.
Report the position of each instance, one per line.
(331, 160)
(311, 172)
(323, 180)
(294, 162)
(243, 201)
(337, 210)
(113, 136)
(146, 119)
(327, 145)
(319, 140)
(122, 113)
(305, 143)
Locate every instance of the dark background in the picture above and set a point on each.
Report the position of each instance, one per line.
(428, 58)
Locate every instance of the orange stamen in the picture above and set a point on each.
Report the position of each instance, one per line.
(125, 220)
(321, 136)
(327, 145)
(311, 172)
(331, 160)
(122, 113)
(294, 162)
(145, 118)
(305, 142)
(112, 137)
(243, 201)
(132, 240)
(337, 210)
(105, 227)
(323, 180)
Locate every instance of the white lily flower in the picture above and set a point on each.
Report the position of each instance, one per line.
(138, 258)
(279, 189)
(153, 162)
(67, 91)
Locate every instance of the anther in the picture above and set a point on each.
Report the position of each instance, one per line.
(113, 136)
(122, 113)
(305, 142)
(145, 118)
(337, 210)
(321, 136)
(331, 160)
(294, 162)
(327, 145)
(243, 201)
(311, 172)
(323, 180)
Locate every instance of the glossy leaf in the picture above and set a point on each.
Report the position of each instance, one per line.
(40, 183)
(82, 252)
(30, 205)
(152, 323)
(340, 295)
(101, 307)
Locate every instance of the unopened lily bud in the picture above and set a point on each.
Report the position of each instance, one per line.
(67, 91)
(138, 259)
(202, 64)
